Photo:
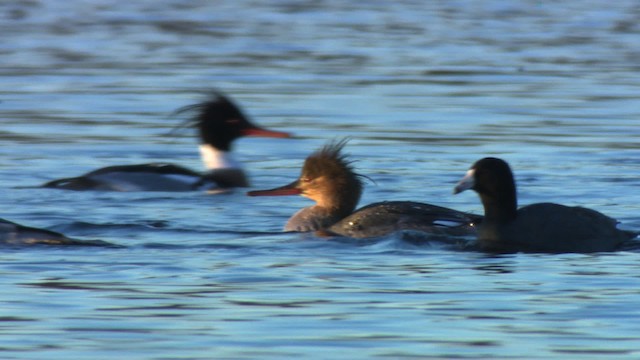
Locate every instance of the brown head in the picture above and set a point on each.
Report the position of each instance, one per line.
(328, 178)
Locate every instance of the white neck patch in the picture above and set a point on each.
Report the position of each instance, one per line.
(217, 159)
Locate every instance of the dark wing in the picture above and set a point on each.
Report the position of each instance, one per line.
(379, 219)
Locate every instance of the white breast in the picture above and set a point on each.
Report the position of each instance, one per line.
(216, 159)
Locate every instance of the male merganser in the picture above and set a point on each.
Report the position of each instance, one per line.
(15, 234)
(328, 178)
(542, 227)
(219, 122)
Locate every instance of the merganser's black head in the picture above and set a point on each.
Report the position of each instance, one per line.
(220, 122)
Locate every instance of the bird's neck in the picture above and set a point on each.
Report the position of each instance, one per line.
(499, 210)
(214, 158)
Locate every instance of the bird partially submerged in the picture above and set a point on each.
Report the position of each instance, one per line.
(12, 234)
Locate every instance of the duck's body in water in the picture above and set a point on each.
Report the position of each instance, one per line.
(219, 122)
(329, 179)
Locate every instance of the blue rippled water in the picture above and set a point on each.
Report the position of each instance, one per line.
(423, 89)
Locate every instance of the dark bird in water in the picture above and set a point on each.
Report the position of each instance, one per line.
(542, 227)
(12, 234)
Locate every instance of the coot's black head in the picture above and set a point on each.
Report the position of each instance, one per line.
(489, 176)
(493, 180)
(220, 122)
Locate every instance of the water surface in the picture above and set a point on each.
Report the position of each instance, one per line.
(422, 89)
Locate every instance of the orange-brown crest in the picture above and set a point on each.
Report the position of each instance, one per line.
(329, 177)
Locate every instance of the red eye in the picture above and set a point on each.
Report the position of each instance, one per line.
(233, 121)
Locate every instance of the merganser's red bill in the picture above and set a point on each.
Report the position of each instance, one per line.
(256, 131)
(290, 189)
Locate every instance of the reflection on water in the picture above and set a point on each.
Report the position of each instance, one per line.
(422, 89)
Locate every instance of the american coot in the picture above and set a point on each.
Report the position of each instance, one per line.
(219, 122)
(13, 234)
(329, 179)
(543, 227)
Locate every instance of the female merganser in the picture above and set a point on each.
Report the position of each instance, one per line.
(542, 227)
(328, 178)
(219, 122)
(15, 234)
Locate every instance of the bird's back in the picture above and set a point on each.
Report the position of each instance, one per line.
(548, 227)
